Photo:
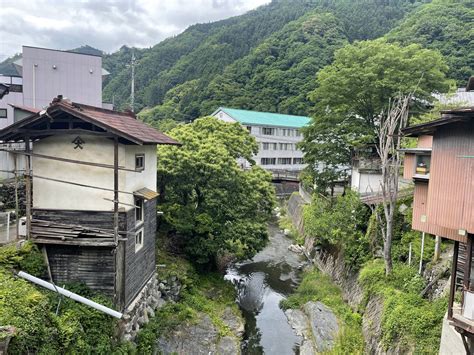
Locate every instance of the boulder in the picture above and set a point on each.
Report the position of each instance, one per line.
(324, 326)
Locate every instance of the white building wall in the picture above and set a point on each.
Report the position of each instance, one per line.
(76, 76)
(277, 138)
(55, 195)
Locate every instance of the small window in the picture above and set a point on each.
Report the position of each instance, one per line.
(268, 131)
(297, 161)
(138, 210)
(268, 161)
(284, 161)
(3, 113)
(139, 162)
(249, 128)
(138, 240)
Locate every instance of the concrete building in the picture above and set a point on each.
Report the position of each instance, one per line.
(277, 136)
(46, 73)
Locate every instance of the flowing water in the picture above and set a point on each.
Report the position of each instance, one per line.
(262, 283)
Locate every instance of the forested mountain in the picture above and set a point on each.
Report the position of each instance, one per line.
(191, 60)
(447, 26)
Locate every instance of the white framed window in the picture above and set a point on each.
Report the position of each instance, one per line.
(3, 113)
(249, 128)
(139, 210)
(297, 160)
(139, 162)
(138, 240)
(284, 161)
(298, 133)
(268, 131)
(268, 161)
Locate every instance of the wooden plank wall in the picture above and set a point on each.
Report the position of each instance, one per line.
(93, 266)
(140, 265)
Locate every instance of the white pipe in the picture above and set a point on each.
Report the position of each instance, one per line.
(422, 249)
(70, 294)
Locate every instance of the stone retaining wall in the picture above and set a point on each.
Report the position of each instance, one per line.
(154, 295)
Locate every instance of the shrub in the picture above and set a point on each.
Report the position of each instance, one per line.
(26, 257)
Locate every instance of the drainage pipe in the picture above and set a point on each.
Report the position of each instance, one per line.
(70, 294)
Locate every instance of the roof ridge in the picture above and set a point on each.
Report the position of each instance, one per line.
(102, 109)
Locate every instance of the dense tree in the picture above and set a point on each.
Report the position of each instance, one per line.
(355, 90)
(216, 209)
(447, 26)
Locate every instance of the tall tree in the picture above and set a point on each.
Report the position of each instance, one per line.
(216, 209)
(352, 93)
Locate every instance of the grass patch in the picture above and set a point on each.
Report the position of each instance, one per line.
(316, 286)
(408, 319)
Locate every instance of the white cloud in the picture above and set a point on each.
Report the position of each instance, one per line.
(105, 24)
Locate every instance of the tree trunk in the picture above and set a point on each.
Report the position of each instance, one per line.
(387, 250)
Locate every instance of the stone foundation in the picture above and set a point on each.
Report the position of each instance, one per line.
(153, 296)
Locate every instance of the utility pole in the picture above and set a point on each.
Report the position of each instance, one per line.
(132, 94)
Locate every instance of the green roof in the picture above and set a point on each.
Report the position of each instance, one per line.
(265, 118)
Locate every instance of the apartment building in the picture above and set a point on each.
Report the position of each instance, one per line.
(277, 136)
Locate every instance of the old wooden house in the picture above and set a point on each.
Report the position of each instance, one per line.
(93, 206)
(442, 168)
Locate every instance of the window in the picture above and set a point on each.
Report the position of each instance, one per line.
(138, 210)
(423, 163)
(138, 240)
(269, 146)
(297, 160)
(298, 133)
(268, 131)
(3, 113)
(139, 162)
(286, 146)
(249, 128)
(284, 161)
(287, 132)
(268, 161)
(265, 146)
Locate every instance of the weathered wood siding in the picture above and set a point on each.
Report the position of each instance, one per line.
(140, 265)
(96, 219)
(451, 187)
(425, 141)
(93, 266)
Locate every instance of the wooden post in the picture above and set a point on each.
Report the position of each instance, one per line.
(437, 250)
(422, 250)
(17, 206)
(409, 256)
(452, 288)
(119, 246)
(467, 266)
(28, 188)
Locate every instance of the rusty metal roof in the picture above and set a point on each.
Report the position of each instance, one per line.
(145, 193)
(25, 108)
(122, 124)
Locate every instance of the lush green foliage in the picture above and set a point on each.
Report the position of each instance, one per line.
(342, 223)
(26, 258)
(216, 208)
(355, 90)
(201, 293)
(409, 319)
(318, 287)
(444, 25)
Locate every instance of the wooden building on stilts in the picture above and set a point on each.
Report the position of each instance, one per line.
(91, 200)
(442, 168)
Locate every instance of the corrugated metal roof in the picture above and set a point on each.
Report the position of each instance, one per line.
(265, 118)
(145, 193)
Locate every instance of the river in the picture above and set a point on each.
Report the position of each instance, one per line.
(262, 283)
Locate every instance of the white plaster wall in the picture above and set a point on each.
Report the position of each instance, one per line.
(54, 195)
(72, 77)
(15, 98)
(224, 117)
(365, 183)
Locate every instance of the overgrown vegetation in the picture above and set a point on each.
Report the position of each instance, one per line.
(316, 286)
(408, 319)
(201, 293)
(76, 329)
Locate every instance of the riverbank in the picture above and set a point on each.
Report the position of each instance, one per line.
(396, 314)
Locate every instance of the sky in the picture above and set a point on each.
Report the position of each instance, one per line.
(105, 24)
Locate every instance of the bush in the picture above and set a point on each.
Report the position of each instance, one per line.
(26, 257)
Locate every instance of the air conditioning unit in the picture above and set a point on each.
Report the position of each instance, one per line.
(22, 227)
(468, 309)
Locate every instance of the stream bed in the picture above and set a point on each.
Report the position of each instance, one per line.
(262, 283)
